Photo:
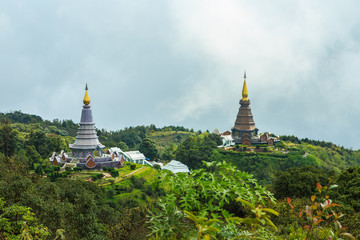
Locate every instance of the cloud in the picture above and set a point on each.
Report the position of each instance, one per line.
(295, 54)
(182, 62)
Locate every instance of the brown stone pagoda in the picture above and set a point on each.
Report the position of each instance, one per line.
(244, 130)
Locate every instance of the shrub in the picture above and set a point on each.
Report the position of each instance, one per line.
(56, 168)
(143, 196)
(280, 144)
(39, 170)
(53, 176)
(157, 166)
(298, 182)
(149, 191)
(97, 176)
(77, 169)
(123, 188)
(105, 169)
(48, 170)
(137, 182)
(68, 169)
(132, 166)
(110, 193)
(114, 173)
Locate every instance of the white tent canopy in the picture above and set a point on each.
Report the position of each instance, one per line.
(176, 166)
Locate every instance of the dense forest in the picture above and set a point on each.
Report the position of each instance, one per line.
(297, 189)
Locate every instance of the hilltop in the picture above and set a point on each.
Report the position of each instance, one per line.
(134, 201)
(263, 161)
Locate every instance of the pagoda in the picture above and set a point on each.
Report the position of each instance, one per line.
(244, 131)
(86, 140)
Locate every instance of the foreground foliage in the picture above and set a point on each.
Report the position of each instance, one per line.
(209, 195)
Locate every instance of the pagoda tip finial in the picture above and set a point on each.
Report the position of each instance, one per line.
(245, 91)
(86, 100)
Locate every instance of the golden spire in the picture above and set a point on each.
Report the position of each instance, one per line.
(245, 91)
(86, 98)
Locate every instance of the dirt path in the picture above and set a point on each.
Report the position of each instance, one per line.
(133, 172)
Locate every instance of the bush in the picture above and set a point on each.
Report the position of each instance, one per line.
(110, 193)
(65, 174)
(114, 173)
(123, 188)
(299, 182)
(138, 182)
(77, 169)
(157, 166)
(132, 166)
(149, 191)
(39, 170)
(105, 169)
(280, 144)
(56, 168)
(48, 170)
(143, 196)
(97, 176)
(68, 169)
(53, 176)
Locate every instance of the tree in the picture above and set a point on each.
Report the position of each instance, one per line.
(299, 182)
(123, 146)
(348, 190)
(148, 148)
(8, 138)
(18, 222)
(195, 149)
(169, 153)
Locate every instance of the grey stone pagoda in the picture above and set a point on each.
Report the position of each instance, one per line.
(86, 140)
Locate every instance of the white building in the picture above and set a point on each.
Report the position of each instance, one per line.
(176, 166)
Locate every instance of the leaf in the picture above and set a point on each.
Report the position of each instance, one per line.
(246, 203)
(319, 221)
(191, 216)
(269, 210)
(211, 221)
(270, 223)
(313, 198)
(348, 235)
(289, 202)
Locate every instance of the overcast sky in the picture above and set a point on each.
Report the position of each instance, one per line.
(182, 62)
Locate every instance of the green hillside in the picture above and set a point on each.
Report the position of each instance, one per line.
(224, 196)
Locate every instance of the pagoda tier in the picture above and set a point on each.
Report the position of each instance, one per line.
(245, 120)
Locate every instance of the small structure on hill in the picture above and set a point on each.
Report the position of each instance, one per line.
(176, 167)
(130, 156)
(245, 131)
